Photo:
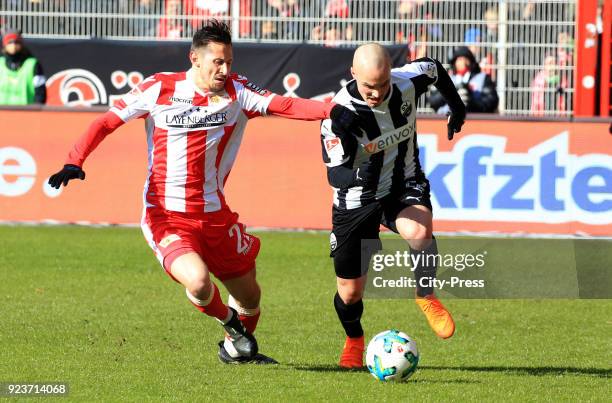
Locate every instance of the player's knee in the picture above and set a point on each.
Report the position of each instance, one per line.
(351, 297)
(415, 232)
(350, 293)
(200, 287)
(420, 243)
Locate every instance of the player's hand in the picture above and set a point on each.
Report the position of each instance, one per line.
(65, 175)
(348, 120)
(456, 119)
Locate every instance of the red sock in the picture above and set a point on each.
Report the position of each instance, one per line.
(215, 308)
(250, 322)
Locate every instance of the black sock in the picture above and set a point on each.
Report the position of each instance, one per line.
(426, 268)
(350, 316)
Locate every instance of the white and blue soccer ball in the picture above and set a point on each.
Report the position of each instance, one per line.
(392, 356)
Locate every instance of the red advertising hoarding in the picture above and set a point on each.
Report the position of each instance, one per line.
(496, 176)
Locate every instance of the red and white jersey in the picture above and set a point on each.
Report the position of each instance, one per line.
(193, 136)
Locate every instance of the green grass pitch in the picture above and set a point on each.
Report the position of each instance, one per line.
(92, 307)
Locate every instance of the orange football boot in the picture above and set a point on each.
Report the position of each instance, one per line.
(440, 320)
(352, 353)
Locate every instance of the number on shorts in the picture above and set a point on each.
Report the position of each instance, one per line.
(241, 244)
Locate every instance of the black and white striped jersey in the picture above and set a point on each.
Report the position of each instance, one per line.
(386, 153)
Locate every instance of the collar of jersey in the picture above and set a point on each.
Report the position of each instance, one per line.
(358, 99)
(189, 76)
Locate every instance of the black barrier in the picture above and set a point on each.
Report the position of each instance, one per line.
(104, 68)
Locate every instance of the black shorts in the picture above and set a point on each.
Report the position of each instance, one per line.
(350, 227)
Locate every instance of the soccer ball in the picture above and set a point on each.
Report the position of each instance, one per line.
(392, 356)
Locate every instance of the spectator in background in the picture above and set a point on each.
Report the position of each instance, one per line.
(334, 33)
(22, 80)
(405, 12)
(476, 89)
(333, 36)
(531, 20)
(491, 18)
(290, 28)
(565, 46)
(318, 33)
(490, 37)
(279, 23)
(330, 34)
(269, 27)
(375, 18)
(565, 63)
(473, 39)
(145, 25)
(548, 88)
(202, 10)
(268, 30)
(417, 37)
(409, 9)
(172, 25)
(337, 8)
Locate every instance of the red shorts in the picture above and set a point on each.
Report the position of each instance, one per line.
(218, 237)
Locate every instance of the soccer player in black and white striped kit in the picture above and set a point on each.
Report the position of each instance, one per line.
(377, 179)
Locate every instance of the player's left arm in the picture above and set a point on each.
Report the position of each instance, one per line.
(445, 85)
(427, 71)
(101, 127)
(132, 105)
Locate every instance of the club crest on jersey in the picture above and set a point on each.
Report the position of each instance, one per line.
(406, 109)
(168, 240)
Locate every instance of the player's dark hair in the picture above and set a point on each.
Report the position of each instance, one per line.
(212, 31)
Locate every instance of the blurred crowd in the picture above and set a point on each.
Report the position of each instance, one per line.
(332, 23)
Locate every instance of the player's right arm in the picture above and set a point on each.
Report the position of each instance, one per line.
(137, 103)
(256, 101)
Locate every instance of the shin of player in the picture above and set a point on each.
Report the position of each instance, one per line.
(414, 224)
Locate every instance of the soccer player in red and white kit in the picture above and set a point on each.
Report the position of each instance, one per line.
(194, 122)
